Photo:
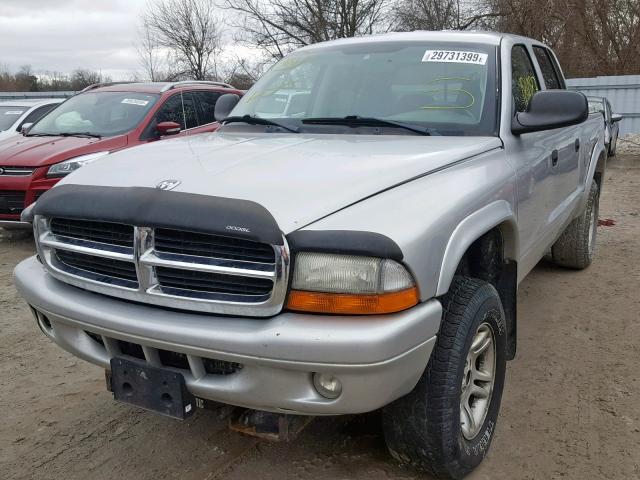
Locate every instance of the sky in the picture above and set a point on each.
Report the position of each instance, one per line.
(62, 35)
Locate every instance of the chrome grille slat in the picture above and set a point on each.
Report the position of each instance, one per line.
(84, 246)
(141, 271)
(16, 171)
(204, 264)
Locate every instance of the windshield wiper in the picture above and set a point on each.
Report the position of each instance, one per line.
(80, 134)
(257, 121)
(42, 135)
(358, 121)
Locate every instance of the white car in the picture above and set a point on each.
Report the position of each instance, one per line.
(16, 113)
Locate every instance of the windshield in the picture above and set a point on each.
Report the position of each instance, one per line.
(448, 88)
(103, 114)
(9, 115)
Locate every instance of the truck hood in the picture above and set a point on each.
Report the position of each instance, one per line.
(21, 151)
(298, 178)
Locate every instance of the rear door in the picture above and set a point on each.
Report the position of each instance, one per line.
(566, 151)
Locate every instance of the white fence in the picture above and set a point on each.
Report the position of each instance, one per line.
(623, 92)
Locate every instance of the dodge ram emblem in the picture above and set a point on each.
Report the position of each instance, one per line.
(168, 184)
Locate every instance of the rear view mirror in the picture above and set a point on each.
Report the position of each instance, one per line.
(616, 117)
(224, 105)
(25, 128)
(168, 128)
(549, 109)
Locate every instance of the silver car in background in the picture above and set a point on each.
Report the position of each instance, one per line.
(15, 114)
(611, 127)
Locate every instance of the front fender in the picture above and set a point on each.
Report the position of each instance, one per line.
(498, 213)
(433, 218)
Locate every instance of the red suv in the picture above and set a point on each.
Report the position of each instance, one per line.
(101, 119)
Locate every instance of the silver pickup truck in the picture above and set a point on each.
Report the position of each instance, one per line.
(359, 250)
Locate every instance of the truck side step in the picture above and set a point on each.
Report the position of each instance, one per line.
(278, 427)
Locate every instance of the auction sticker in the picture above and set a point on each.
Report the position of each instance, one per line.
(454, 56)
(135, 101)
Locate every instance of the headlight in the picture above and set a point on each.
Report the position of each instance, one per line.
(348, 284)
(65, 168)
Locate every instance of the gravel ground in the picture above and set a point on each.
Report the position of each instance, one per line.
(570, 408)
(629, 144)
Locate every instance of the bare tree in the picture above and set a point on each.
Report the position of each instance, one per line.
(148, 51)
(598, 37)
(442, 14)
(190, 31)
(279, 26)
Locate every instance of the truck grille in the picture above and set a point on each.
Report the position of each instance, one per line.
(100, 269)
(101, 232)
(11, 202)
(204, 245)
(165, 267)
(211, 282)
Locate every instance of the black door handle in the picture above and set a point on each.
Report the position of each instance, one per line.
(577, 144)
(554, 158)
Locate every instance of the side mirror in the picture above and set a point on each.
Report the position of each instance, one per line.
(616, 117)
(24, 129)
(549, 109)
(168, 128)
(224, 105)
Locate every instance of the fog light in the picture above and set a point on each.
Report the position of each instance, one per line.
(327, 385)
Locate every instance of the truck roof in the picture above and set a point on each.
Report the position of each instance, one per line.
(476, 36)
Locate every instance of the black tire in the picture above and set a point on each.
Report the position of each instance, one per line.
(575, 247)
(423, 428)
(613, 145)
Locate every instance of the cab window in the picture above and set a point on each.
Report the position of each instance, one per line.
(549, 74)
(524, 82)
(207, 102)
(181, 109)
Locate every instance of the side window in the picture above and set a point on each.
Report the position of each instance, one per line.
(563, 85)
(207, 102)
(549, 74)
(172, 111)
(37, 114)
(524, 82)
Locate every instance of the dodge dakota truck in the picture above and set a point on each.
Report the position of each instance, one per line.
(360, 254)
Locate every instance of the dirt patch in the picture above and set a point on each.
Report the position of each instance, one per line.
(570, 408)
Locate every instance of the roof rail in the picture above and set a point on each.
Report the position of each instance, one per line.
(103, 84)
(195, 82)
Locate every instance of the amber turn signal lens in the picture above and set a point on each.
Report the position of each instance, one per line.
(352, 304)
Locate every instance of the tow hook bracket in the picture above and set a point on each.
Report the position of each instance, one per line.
(278, 427)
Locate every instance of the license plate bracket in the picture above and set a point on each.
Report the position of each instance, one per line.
(157, 389)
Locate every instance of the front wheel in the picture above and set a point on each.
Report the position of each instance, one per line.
(446, 424)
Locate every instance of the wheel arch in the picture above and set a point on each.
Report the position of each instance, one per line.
(485, 246)
(498, 214)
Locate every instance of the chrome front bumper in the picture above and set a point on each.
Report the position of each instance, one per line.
(378, 359)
